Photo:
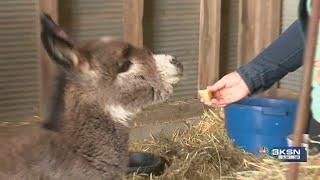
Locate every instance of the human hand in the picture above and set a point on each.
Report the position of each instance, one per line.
(229, 89)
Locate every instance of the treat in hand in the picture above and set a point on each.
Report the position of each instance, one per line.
(205, 95)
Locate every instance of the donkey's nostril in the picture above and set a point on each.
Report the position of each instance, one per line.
(174, 61)
(177, 64)
(180, 67)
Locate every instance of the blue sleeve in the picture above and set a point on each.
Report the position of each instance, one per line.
(284, 55)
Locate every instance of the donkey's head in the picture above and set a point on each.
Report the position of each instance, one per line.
(120, 78)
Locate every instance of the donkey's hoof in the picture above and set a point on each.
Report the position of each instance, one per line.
(145, 163)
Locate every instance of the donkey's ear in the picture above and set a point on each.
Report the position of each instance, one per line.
(57, 43)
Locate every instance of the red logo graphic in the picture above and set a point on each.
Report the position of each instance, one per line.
(262, 149)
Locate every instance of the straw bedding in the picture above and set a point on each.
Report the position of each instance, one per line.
(203, 151)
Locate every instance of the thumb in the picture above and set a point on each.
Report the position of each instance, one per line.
(217, 86)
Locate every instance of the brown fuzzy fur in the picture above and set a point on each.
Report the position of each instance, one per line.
(81, 138)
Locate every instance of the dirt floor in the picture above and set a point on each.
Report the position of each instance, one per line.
(23, 127)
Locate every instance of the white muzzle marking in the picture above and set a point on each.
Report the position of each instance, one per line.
(170, 72)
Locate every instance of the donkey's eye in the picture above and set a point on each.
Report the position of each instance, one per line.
(123, 66)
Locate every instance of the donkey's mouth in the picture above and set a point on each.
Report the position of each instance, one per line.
(175, 79)
(169, 67)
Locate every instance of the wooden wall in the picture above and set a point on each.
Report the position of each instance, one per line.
(19, 56)
(133, 19)
(209, 42)
(172, 27)
(48, 68)
(259, 24)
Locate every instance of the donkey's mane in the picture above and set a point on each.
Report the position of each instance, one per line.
(56, 104)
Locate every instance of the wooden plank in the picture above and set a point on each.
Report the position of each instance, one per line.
(229, 35)
(246, 31)
(259, 26)
(209, 42)
(133, 21)
(47, 67)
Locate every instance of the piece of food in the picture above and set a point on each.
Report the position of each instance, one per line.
(205, 95)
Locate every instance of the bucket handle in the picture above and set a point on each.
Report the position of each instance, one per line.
(275, 112)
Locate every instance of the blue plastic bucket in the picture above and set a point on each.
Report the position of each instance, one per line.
(255, 123)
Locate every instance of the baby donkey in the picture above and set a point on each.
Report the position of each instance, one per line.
(101, 86)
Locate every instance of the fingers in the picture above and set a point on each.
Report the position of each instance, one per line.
(200, 98)
(224, 91)
(217, 86)
(224, 97)
(208, 103)
(221, 95)
(216, 103)
(220, 102)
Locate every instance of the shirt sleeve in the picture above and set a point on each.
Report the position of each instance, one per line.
(284, 55)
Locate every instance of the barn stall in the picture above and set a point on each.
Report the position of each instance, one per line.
(210, 38)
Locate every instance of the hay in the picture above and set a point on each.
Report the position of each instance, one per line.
(203, 151)
(275, 170)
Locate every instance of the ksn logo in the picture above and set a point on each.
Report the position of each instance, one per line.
(290, 154)
(287, 154)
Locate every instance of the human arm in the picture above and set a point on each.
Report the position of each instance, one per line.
(284, 55)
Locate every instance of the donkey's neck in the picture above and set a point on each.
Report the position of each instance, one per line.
(92, 133)
(56, 105)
